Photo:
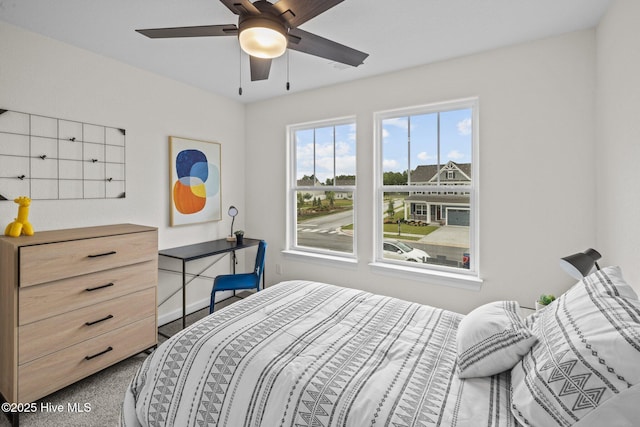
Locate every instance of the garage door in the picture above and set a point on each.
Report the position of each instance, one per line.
(458, 217)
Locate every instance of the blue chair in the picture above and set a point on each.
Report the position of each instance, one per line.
(233, 282)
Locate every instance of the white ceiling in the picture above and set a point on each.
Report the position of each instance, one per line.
(396, 33)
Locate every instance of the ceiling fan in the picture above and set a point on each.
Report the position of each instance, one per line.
(266, 30)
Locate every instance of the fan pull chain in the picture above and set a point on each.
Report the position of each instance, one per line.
(288, 85)
(240, 71)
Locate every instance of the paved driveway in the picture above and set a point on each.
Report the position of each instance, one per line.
(448, 235)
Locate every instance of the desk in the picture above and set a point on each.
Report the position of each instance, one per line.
(202, 250)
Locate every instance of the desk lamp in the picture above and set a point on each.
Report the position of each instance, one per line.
(579, 265)
(233, 211)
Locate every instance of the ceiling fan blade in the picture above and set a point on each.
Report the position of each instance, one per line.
(306, 42)
(241, 7)
(260, 68)
(199, 31)
(297, 12)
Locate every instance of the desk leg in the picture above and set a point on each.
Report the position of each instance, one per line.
(234, 261)
(184, 294)
(233, 266)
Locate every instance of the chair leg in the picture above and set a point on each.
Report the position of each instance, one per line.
(213, 302)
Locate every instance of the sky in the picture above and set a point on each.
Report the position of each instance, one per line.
(455, 140)
(339, 139)
(455, 144)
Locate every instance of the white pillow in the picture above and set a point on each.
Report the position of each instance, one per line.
(609, 280)
(492, 339)
(585, 368)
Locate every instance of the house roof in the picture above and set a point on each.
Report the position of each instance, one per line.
(428, 173)
(306, 182)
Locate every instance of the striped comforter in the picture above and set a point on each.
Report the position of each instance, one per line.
(310, 354)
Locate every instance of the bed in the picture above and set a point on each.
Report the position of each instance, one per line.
(304, 353)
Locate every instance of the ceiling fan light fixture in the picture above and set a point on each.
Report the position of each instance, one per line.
(262, 38)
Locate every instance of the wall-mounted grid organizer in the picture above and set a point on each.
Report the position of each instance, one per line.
(47, 158)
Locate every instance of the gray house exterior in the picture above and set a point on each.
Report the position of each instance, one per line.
(451, 207)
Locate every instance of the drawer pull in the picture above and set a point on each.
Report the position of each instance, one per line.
(104, 254)
(99, 287)
(99, 354)
(99, 320)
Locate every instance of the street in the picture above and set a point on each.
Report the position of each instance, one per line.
(323, 233)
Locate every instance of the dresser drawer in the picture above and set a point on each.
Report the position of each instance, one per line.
(53, 261)
(55, 333)
(53, 298)
(50, 373)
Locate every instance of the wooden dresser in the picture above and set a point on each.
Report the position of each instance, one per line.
(73, 302)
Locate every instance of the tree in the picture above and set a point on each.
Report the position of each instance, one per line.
(395, 178)
(390, 210)
(330, 196)
(342, 180)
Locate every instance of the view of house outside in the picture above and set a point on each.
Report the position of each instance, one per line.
(426, 184)
(427, 178)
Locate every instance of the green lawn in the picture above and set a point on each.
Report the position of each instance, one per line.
(409, 229)
(392, 229)
(407, 232)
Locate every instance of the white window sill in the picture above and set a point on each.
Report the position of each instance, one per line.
(322, 258)
(445, 278)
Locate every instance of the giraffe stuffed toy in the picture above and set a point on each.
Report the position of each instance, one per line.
(21, 225)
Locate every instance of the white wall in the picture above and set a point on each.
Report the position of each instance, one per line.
(538, 127)
(42, 76)
(537, 140)
(618, 147)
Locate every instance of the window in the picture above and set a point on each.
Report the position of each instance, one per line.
(426, 189)
(322, 187)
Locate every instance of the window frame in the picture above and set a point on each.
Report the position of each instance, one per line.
(458, 277)
(291, 244)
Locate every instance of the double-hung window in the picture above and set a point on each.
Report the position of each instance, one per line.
(322, 187)
(426, 216)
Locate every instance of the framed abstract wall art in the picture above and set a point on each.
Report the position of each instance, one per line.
(195, 181)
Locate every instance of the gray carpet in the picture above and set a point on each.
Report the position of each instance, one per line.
(103, 391)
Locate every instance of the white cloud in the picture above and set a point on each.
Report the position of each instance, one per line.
(352, 132)
(324, 150)
(346, 165)
(343, 148)
(385, 135)
(389, 164)
(399, 122)
(464, 126)
(345, 159)
(455, 155)
(304, 150)
(424, 156)
(304, 154)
